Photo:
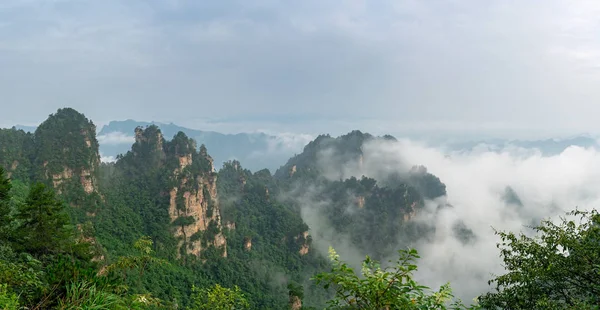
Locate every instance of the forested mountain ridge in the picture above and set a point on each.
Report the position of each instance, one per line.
(62, 153)
(257, 150)
(160, 228)
(231, 227)
(353, 204)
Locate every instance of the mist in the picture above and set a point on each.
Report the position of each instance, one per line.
(477, 182)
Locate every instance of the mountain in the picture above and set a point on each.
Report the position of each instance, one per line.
(62, 153)
(345, 199)
(264, 233)
(211, 226)
(256, 150)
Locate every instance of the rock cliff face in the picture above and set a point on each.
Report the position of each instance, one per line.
(412, 213)
(200, 205)
(248, 244)
(304, 247)
(13, 167)
(193, 204)
(66, 151)
(184, 183)
(295, 303)
(360, 202)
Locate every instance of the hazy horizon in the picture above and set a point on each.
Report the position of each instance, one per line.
(318, 127)
(497, 68)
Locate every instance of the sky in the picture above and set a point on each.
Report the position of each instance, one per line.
(499, 67)
(496, 67)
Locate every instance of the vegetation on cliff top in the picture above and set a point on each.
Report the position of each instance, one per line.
(62, 246)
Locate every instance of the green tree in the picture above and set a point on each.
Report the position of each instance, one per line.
(87, 295)
(558, 268)
(43, 223)
(140, 261)
(22, 274)
(217, 298)
(5, 188)
(8, 300)
(382, 288)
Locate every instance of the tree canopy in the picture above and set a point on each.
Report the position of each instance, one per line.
(557, 268)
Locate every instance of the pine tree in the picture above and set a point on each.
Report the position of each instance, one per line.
(5, 187)
(43, 227)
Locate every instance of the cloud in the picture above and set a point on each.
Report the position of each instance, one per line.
(289, 141)
(437, 63)
(547, 187)
(115, 138)
(476, 183)
(282, 144)
(107, 159)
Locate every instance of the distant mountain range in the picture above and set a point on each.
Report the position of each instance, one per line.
(256, 150)
(260, 150)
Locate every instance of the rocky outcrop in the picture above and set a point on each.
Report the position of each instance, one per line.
(191, 188)
(247, 243)
(144, 136)
(412, 213)
(221, 243)
(185, 161)
(87, 181)
(360, 202)
(85, 235)
(13, 167)
(201, 209)
(304, 247)
(86, 138)
(66, 153)
(194, 207)
(59, 178)
(295, 302)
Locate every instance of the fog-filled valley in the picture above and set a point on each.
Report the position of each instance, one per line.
(300, 155)
(269, 234)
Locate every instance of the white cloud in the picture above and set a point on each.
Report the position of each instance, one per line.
(547, 186)
(115, 138)
(108, 159)
(476, 182)
(282, 144)
(286, 142)
(440, 63)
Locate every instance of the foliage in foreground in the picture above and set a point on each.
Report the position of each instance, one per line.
(45, 263)
(559, 268)
(217, 298)
(383, 288)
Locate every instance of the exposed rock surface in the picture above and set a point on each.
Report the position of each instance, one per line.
(203, 209)
(193, 204)
(304, 248)
(295, 303)
(247, 243)
(66, 152)
(360, 202)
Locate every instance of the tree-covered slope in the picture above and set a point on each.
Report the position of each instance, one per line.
(220, 227)
(231, 227)
(16, 153)
(351, 202)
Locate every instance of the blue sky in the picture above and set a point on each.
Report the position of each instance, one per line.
(311, 66)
